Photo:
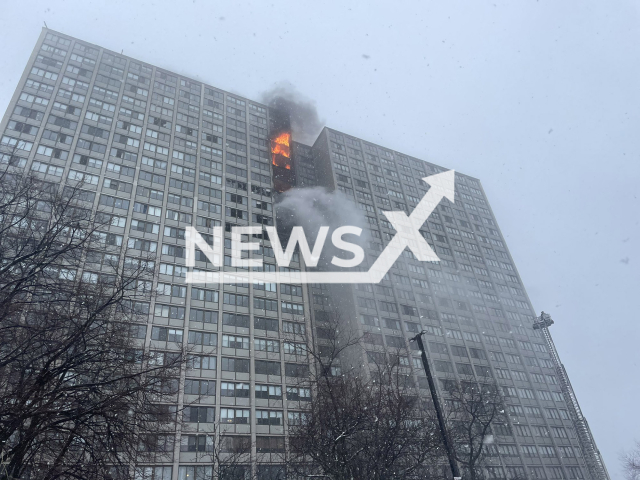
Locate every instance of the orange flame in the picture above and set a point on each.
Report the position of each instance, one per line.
(282, 139)
(280, 151)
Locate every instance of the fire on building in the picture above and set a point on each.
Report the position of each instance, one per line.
(283, 172)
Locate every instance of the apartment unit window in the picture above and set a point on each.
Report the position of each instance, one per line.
(508, 450)
(231, 389)
(264, 367)
(204, 316)
(269, 392)
(237, 300)
(441, 348)
(533, 411)
(265, 304)
(232, 341)
(235, 320)
(389, 307)
(204, 472)
(292, 348)
(168, 311)
(201, 362)
(200, 387)
(529, 451)
(263, 323)
(444, 367)
(293, 308)
(171, 290)
(298, 394)
(575, 472)
(370, 320)
(295, 418)
(296, 369)
(269, 444)
(204, 295)
(202, 338)
(199, 414)
(196, 443)
(265, 345)
(164, 334)
(159, 442)
(238, 365)
(268, 417)
(293, 327)
(546, 451)
(234, 415)
(154, 472)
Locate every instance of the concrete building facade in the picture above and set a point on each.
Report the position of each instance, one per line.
(160, 152)
(472, 306)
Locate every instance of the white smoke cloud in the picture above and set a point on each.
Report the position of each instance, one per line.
(314, 207)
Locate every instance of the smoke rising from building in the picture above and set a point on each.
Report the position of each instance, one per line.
(305, 122)
(314, 207)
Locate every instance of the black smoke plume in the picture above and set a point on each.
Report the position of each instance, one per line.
(302, 112)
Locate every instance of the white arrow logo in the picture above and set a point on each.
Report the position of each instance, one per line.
(408, 228)
(408, 235)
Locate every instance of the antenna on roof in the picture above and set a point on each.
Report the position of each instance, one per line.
(45, 24)
(121, 51)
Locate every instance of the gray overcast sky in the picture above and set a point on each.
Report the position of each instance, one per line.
(539, 99)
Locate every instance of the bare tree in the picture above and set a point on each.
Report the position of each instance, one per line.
(80, 397)
(474, 412)
(631, 463)
(360, 426)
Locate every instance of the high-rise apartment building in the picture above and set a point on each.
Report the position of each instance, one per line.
(472, 306)
(160, 152)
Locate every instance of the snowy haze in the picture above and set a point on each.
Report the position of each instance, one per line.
(538, 99)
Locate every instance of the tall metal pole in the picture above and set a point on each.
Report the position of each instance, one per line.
(436, 403)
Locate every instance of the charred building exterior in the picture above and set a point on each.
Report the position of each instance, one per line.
(160, 152)
(281, 162)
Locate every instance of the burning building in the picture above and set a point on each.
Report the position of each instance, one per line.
(283, 173)
(471, 306)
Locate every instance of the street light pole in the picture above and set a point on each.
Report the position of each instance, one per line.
(436, 403)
